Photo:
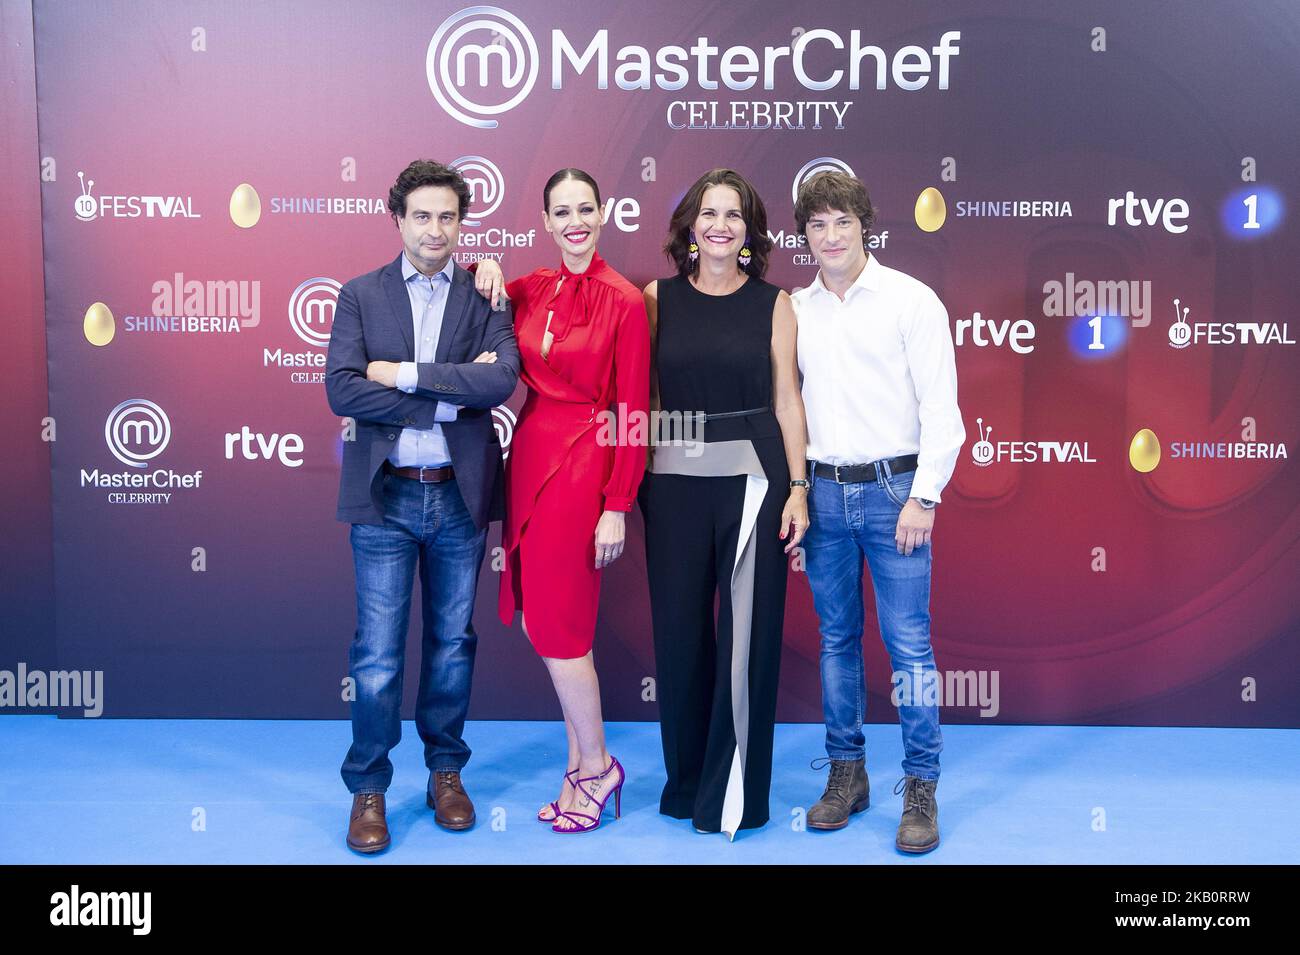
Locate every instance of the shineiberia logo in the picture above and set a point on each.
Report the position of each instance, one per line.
(1146, 452)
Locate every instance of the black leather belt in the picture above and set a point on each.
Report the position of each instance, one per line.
(857, 473)
(701, 416)
(423, 475)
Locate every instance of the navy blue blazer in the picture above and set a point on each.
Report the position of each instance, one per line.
(372, 322)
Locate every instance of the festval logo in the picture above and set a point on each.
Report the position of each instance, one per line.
(814, 166)
(311, 310)
(487, 186)
(489, 46)
(85, 206)
(985, 452)
(88, 208)
(982, 451)
(1237, 334)
(137, 431)
(1180, 332)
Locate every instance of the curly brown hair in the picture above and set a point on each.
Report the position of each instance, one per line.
(426, 172)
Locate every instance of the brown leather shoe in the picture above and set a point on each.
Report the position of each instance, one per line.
(450, 803)
(368, 829)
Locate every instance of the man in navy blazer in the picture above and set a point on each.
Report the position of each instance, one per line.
(419, 359)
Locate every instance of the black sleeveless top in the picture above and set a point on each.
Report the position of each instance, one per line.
(714, 354)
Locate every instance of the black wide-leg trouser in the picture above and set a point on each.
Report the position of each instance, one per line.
(717, 685)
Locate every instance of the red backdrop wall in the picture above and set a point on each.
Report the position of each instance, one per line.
(1091, 591)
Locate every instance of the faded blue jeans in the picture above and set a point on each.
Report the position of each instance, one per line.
(425, 525)
(848, 522)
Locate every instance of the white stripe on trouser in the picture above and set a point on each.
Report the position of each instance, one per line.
(742, 613)
(725, 459)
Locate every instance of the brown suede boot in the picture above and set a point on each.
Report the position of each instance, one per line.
(918, 831)
(847, 791)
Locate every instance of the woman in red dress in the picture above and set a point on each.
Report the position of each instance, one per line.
(584, 345)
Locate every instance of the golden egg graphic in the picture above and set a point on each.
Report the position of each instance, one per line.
(245, 206)
(1144, 451)
(99, 325)
(931, 210)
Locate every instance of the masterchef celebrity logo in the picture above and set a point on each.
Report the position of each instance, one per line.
(483, 61)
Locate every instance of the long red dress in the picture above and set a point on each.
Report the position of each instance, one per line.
(564, 469)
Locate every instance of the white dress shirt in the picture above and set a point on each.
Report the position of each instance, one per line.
(424, 447)
(879, 375)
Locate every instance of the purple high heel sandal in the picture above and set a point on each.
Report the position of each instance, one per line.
(593, 822)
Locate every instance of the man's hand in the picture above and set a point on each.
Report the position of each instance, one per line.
(915, 525)
(384, 372)
(491, 283)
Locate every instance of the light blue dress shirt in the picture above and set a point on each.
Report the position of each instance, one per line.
(424, 447)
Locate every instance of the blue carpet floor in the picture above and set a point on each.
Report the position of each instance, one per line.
(182, 791)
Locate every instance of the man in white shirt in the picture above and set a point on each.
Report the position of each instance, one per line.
(884, 430)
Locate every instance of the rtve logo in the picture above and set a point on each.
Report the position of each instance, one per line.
(311, 310)
(137, 431)
(508, 45)
(255, 446)
(1018, 334)
(1170, 213)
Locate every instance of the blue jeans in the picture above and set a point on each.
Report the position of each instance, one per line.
(849, 521)
(429, 525)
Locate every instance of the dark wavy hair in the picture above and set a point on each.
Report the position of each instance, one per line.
(752, 210)
(834, 190)
(560, 176)
(421, 173)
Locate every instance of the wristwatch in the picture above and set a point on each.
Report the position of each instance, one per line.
(925, 502)
(799, 482)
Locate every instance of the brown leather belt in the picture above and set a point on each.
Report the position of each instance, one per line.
(423, 475)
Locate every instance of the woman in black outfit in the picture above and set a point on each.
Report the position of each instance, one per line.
(724, 362)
